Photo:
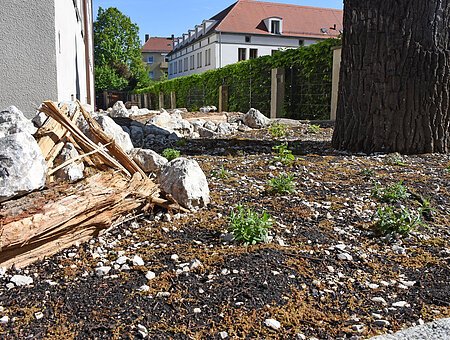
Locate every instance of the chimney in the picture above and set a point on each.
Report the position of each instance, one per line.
(147, 36)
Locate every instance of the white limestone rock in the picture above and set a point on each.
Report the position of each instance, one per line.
(210, 126)
(12, 120)
(22, 165)
(197, 123)
(114, 131)
(119, 110)
(206, 133)
(72, 172)
(255, 119)
(224, 129)
(22, 280)
(185, 181)
(149, 160)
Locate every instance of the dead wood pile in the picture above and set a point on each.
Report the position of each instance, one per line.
(43, 223)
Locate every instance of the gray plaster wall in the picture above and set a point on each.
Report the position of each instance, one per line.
(27, 54)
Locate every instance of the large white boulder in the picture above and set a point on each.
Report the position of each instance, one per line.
(12, 120)
(22, 165)
(185, 181)
(255, 119)
(115, 131)
(172, 122)
(119, 110)
(149, 160)
(72, 172)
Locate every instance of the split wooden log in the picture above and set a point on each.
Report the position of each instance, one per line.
(60, 223)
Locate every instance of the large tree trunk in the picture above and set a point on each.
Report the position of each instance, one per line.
(395, 77)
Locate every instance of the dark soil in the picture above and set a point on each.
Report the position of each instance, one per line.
(296, 279)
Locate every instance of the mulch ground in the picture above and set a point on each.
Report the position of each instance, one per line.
(298, 278)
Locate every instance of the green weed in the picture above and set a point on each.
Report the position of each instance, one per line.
(277, 130)
(221, 173)
(391, 220)
(248, 226)
(313, 129)
(171, 154)
(283, 154)
(392, 193)
(283, 184)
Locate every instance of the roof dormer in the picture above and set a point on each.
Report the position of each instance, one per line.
(274, 25)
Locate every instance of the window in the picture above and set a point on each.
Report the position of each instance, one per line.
(208, 57)
(192, 62)
(180, 66)
(151, 74)
(301, 42)
(150, 60)
(253, 53)
(275, 27)
(185, 64)
(242, 54)
(274, 52)
(248, 39)
(199, 59)
(175, 67)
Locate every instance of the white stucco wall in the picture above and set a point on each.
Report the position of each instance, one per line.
(27, 54)
(70, 51)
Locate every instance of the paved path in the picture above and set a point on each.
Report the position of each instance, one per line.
(436, 330)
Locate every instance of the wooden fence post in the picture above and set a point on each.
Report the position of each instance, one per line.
(145, 100)
(173, 100)
(161, 100)
(277, 92)
(337, 53)
(223, 98)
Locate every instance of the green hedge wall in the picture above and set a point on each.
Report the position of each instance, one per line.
(249, 81)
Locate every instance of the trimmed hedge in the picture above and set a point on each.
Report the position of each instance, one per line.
(249, 82)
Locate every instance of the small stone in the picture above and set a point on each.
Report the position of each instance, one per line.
(167, 218)
(195, 264)
(162, 294)
(142, 331)
(358, 328)
(373, 286)
(223, 335)
(330, 269)
(4, 319)
(125, 267)
(121, 260)
(345, 257)
(102, 271)
(225, 272)
(38, 315)
(379, 299)
(382, 323)
(144, 288)
(227, 237)
(401, 304)
(21, 280)
(272, 323)
(174, 257)
(138, 261)
(150, 275)
(197, 310)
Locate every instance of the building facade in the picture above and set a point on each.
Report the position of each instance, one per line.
(46, 53)
(154, 54)
(249, 29)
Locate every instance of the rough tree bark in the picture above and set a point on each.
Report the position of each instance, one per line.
(394, 94)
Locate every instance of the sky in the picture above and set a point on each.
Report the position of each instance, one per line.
(162, 18)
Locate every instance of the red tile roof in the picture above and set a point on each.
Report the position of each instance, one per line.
(246, 16)
(158, 44)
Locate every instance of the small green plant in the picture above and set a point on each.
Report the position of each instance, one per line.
(392, 193)
(283, 184)
(248, 226)
(394, 159)
(171, 154)
(313, 128)
(426, 209)
(221, 173)
(391, 220)
(368, 173)
(181, 142)
(277, 130)
(283, 154)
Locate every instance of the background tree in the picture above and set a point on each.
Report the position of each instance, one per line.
(394, 92)
(117, 52)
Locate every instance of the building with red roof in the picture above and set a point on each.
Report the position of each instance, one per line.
(248, 29)
(154, 54)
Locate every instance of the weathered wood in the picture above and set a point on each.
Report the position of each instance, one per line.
(394, 93)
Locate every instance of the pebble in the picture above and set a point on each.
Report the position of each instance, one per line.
(167, 218)
(38, 315)
(4, 319)
(401, 304)
(174, 257)
(138, 261)
(358, 328)
(345, 257)
(197, 310)
(272, 323)
(195, 264)
(382, 323)
(125, 267)
(102, 271)
(150, 275)
(223, 335)
(142, 331)
(373, 286)
(144, 288)
(21, 280)
(379, 299)
(121, 260)
(163, 294)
